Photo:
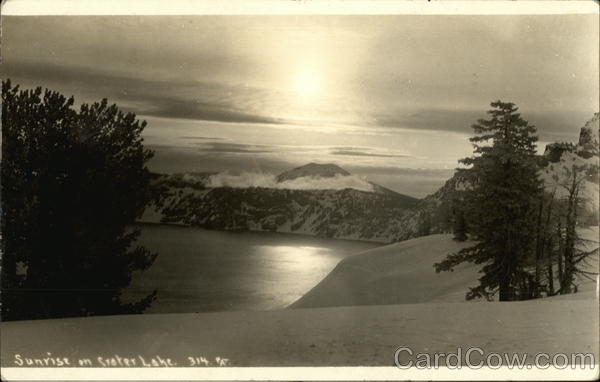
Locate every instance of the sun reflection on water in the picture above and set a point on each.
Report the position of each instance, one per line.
(309, 263)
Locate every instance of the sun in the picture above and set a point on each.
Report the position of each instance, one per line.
(307, 84)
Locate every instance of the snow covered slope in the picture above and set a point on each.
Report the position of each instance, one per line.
(294, 204)
(403, 273)
(578, 162)
(340, 336)
(400, 273)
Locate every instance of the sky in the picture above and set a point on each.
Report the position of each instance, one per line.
(389, 98)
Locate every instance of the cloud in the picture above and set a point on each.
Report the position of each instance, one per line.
(194, 100)
(203, 138)
(338, 182)
(175, 107)
(396, 171)
(243, 180)
(238, 148)
(433, 119)
(175, 159)
(248, 179)
(198, 67)
(551, 125)
(221, 102)
(364, 154)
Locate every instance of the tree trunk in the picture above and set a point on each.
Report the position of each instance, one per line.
(506, 271)
(504, 294)
(538, 250)
(569, 250)
(546, 246)
(559, 255)
(550, 288)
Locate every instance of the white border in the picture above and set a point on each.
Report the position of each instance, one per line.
(308, 7)
(293, 7)
(295, 373)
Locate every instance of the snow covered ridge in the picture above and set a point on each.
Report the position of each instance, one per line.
(346, 213)
(312, 176)
(403, 273)
(559, 176)
(309, 182)
(575, 164)
(316, 199)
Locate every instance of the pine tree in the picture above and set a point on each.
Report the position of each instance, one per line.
(73, 183)
(500, 204)
(460, 228)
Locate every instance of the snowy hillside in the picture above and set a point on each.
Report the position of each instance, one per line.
(339, 336)
(291, 205)
(309, 177)
(570, 164)
(348, 213)
(403, 273)
(558, 178)
(400, 273)
(434, 213)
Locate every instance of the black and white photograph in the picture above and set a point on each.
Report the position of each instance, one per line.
(299, 190)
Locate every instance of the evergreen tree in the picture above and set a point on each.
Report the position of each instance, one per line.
(460, 225)
(501, 204)
(424, 228)
(73, 182)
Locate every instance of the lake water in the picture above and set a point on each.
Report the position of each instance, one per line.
(199, 270)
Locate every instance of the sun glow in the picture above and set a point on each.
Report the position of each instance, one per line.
(307, 84)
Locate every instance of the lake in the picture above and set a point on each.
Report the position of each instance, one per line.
(200, 270)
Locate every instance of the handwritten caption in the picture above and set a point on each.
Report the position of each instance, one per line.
(116, 360)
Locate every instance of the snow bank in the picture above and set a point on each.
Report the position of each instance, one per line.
(403, 273)
(340, 336)
(400, 273)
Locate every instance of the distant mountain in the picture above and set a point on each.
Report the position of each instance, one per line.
(327, 170)
(341, 213)
(379, 214)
